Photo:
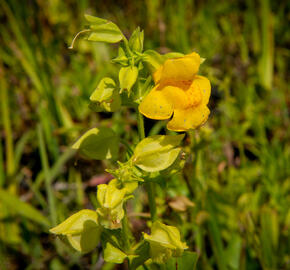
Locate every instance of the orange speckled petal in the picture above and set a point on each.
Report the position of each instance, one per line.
(176, 96)
(156, 106)
(178, 69)
(190, 118)
(204, 85)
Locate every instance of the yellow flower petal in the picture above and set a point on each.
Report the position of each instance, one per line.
(156, 106)
(191, 118)
(204, 86)
(179, 69)
(177, 96)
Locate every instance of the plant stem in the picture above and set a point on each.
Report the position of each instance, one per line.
(141, 129)
(45, 165)
(149, 186)
(127, 235)
(151, 197)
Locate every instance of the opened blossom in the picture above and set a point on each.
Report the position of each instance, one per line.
(178, 93)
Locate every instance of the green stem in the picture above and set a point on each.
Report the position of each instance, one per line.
(149, 186)
(45, 165)
(129, 149)
(141, 129)
(127, 235)
(151, 197)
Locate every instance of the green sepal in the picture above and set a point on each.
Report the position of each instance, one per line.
(127, 78)
(154, 60)
(98, 143)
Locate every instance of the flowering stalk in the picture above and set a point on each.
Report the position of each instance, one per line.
(178, 93)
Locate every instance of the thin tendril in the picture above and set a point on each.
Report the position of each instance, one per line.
(76, 36)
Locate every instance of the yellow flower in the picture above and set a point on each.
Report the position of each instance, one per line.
(180, 92)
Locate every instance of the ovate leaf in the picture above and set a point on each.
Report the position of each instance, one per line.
(98, 143)
(103, 30)
(75, 223)
(156, 153)
(81, 229)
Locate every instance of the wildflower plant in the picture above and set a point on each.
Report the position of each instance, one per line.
(158, 87)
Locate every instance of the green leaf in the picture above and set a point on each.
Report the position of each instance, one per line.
(21, 208)
(82, 230)
(106, 97)
(127, 77)
(98, 143)
(186, 262)
(156, 153)
(103, 30)
(95, 20)
(75, 223)
(113, 254)
(136, 40)
(108, 32)
(104, 90)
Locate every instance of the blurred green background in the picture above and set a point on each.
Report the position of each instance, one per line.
(238, 176)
